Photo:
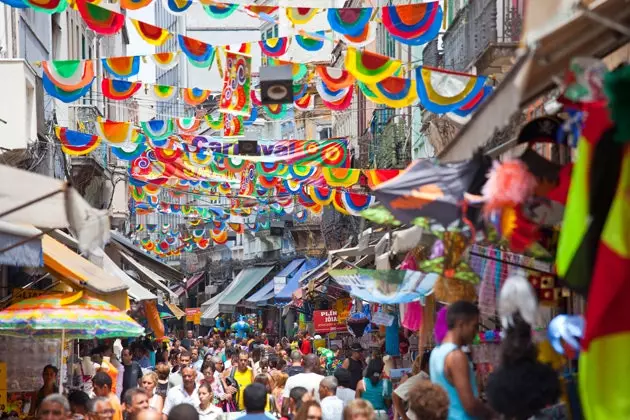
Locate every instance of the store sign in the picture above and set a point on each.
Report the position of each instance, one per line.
(343, 310)
(193, 315)
(326, 321)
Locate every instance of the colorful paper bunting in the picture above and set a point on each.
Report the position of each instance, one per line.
(134, 4)
(300, 15)
(370, 67)
(354, 203)
(119, 90)
(130, 151)
(164, 92)
(349, 21)
(306, 103)
(330, 95)
(18, 4)
(310, 44)
(151, 34)
(65, 96)
(413, 24)
(195, 96)
(187, 125)
(199, 53)
(48, 6)
(442, 91)
(335, 78)
(275, 112)
(214, 124)
(233, 126)
(321, 195)
(122, 67)
(166, 60)
(76, 143)
(158, 129)
(342, 103)
(220, 10)
(395, 92)
(99, 19)
(470, 107)
(69, 75)
(363, 39)
(177, 7)
(114, 132)
(274, 47)
(341, 177)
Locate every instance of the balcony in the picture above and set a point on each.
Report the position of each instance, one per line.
(484, 34)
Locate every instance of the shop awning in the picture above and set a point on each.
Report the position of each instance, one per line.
(210, 308)
(27, 253)
(79, 273)
(280, 280)
(244, 282)
(148, 275)
(189, 283)
(175, 310)
(265, 293)
(294, 282)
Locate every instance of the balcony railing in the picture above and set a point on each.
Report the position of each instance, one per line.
(479, 25)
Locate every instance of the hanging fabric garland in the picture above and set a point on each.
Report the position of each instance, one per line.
(163, 92)
(310, 44)
(299, 91)
(413, 24)
(321, 195)
(69, 75)
(195, 96)
(187, 125)
(122, 67)
(471, 106)
(274, 47)
(363, 39)
(114, 132)
(354, 203)
(237, 227)
(342, 103)
(177, 7)
(199, 53)
(100, 20)
(134, 4)
(158, 129)
(306, 103)
(442, 91)
(369, 67)
(254, 96)
(335, 78)
(65, 96)
(254, 10)
(214, 124)
(330, 95)
(233, 126)
(395, 92)
(275, 112)
(349, 21)
(220, 10)
(75, 143)
(130, 151)
(166, 60)
(341, 177)
(153, 35)
(301, 15)
(48, 6)
(119, 90)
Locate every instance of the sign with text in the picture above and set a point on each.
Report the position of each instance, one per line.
(326, 321)
(343, 306)
(191, 313)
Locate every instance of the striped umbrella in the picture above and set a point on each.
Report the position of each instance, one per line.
(67, 315)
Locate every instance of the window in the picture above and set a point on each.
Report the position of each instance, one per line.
(325, 133)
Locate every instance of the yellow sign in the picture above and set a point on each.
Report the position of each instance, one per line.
(192, 313)
(343, 309)
(197, 318)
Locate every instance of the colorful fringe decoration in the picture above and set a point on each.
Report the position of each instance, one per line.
(65, 96)
(163, 92)
(301, 15)
(274, 47)
(220, 10)
(100, 20)
(395, 92)
(166, 60)
(47, 6)
(342, 103)
(122, 67)
(341, 177)
(470, 107)
(214, 124)
(413, 24)
(349, 21)
(75, 143)
(114, 132)
(187, 125)
(199, 53)
(130, 151)
(369, 67)
(363, 39)
(195, 96)
(275, 112)
(310, 44)
(69, 75)
(158, 129)
(119, 90)
(177, 7)
(305, 103)
(153, 35)
(335, 78)
(434, 89)
(134, 4)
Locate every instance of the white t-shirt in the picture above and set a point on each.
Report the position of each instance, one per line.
(212, 412)
(345, 394)
(178, 395)
(332, 408)
(310, 381)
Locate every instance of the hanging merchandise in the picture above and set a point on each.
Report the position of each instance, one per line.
(392, 343)
(235, 96)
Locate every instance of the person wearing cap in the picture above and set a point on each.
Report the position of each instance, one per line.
(355, 365)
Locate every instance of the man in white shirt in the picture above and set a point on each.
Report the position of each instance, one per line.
(309, 379)
(175, 378)
(332, 406)
(182, 394)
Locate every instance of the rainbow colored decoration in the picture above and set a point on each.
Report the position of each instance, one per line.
(177, 7)
(349, 21)
(342, 103)
(341, 177)
(115, 132)
(130, 151)
(199, 53)
(123, 67)
(18, 4)
(363, 39)
(75, 143)
(413, 24)
(353, 203)
(219, 236)
(330, 95)
(48, 6)
(255, 10)
(134, 4)
(275, 112)
(214, 124)
(395, 92)
(274, 47)
(309, 43)
(306, 103)
(119, 90)
(151, 34)
(300, 15)
(470, 107)
(235, 95)
(253, 95)
(299, 91)
(158, 129)
(335, 78)
(370, 67)
(163, 92)
(300, 216)
(321, 195)
(237, 227)
(434, 87)
(187, 125)
(195, 96)
(233, 126)
(69, 75)
(220, 10)
(100, 20)
(65, 96)
(166, 60)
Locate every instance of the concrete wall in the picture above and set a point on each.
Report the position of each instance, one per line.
(19, 114)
